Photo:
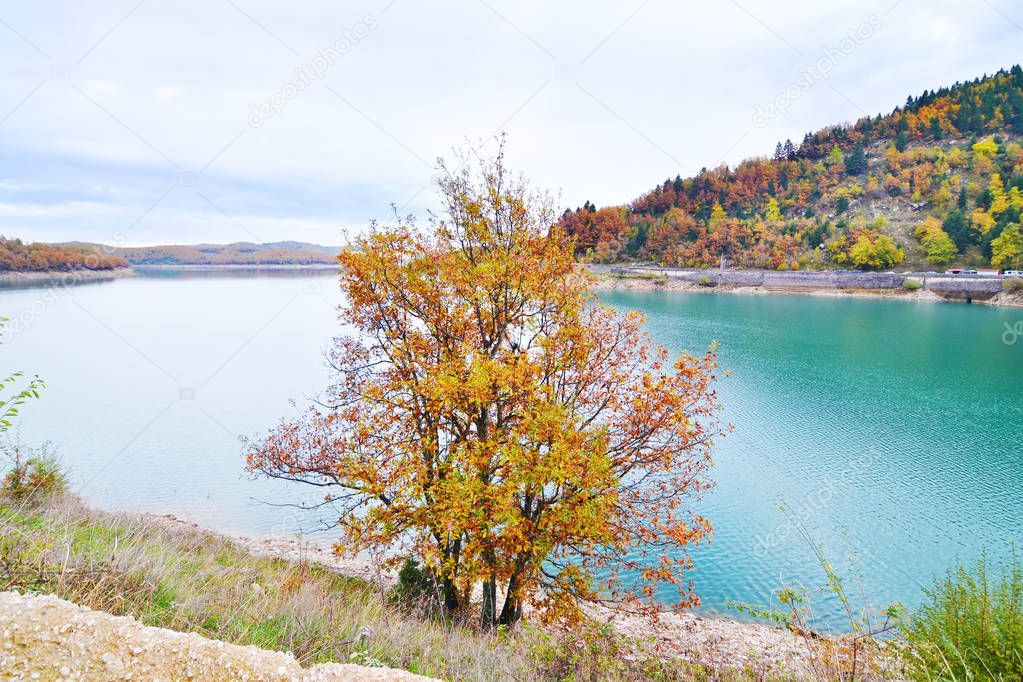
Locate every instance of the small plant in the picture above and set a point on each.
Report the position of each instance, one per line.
(912, 285)
(970, 626)
(363, 657)
(14, 390)
(415, 587)
(704, 281)
(31, 471)
(587, 652)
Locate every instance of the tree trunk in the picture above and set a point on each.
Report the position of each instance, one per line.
(488, 617)
(450, 595)
(512, 610)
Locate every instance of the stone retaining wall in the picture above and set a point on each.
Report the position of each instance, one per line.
(958, 287)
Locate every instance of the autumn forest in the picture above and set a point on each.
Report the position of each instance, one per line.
(937, 181)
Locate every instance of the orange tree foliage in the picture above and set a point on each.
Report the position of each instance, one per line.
(491, 419)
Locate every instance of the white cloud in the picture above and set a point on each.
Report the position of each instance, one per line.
(653, 89)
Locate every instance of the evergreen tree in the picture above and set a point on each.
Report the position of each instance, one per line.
(790, 150)
(961, 230)
(1014, 111)
(901, 139)
(856, 162)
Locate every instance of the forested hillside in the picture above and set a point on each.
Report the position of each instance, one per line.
(937, 181)
(18, 256)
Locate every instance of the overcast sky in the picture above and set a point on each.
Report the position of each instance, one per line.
(239, 120)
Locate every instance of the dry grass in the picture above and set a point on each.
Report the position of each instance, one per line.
(170, 575)
(1013, 285)
(654, 277)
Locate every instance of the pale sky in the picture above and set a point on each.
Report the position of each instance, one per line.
(179, 121)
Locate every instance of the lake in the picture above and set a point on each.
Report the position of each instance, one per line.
(890, 430)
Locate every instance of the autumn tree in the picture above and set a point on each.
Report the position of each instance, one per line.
(875, 251)
(937, 244)
(1007, 248)
(491, 419)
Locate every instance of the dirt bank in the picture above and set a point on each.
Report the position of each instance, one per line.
(46, 638)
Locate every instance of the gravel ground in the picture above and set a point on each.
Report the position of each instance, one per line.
(46, 638)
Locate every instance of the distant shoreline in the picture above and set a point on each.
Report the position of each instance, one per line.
(235, 266)
(86, 275)
(827, 283)
(63, 276)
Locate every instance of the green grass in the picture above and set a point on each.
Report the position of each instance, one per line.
(174, 576)
(970, 626)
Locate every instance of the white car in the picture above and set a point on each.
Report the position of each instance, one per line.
(1013, 273)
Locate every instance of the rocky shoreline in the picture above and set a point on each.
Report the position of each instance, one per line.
(717, 642)
(826, 284)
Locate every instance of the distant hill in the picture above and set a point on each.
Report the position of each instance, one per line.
(937, 181)
(239, 253)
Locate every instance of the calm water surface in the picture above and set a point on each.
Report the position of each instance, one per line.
(891, 430)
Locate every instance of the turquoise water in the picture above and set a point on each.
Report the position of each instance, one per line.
(890, 429)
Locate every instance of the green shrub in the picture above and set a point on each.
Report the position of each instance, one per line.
(971, 624)
(31, 472)
(912, 285)
(704, 281)
(415, 587)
